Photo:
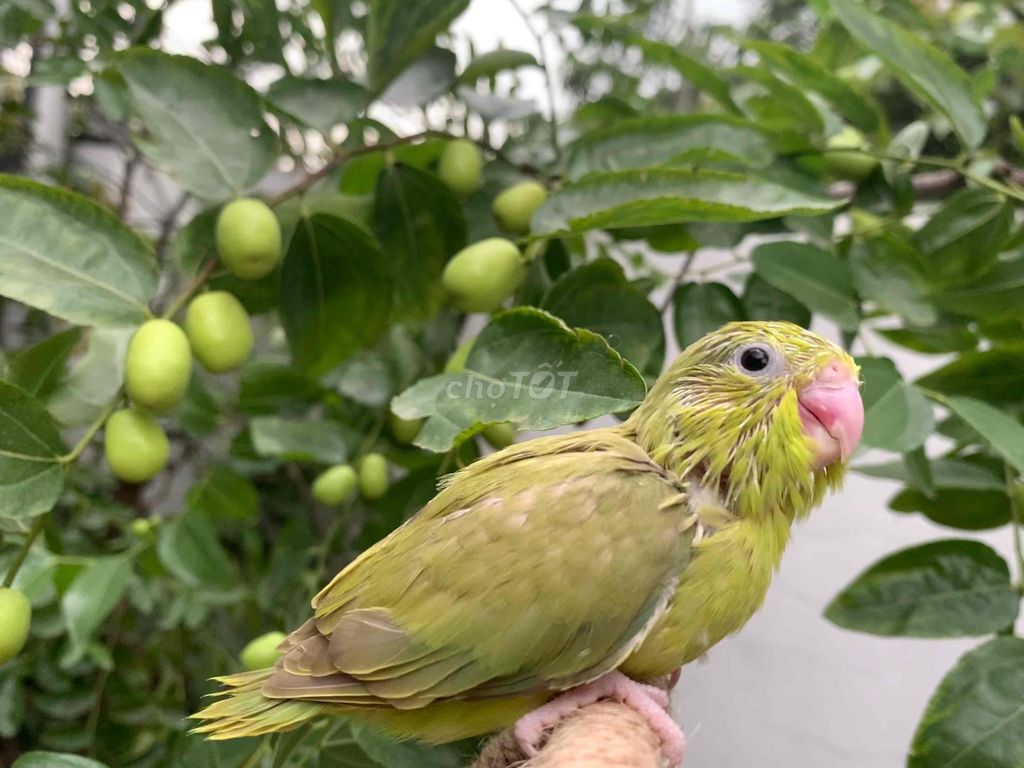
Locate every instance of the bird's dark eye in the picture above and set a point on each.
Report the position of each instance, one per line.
(755, 359)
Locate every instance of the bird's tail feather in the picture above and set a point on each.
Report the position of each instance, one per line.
(242, 709)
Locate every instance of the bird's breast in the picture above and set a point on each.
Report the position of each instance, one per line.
(720, 589)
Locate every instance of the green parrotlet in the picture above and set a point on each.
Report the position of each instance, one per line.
(575, 567)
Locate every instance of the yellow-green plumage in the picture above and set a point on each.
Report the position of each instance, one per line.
(555, 561)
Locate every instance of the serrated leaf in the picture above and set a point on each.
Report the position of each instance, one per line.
(65, 255)
(493, 62)
(815, 277)
(419, 223)
(897, 417)
(805, 72)
(93, 379)
(30, 477)
(598, 296)
(526, 367)
(204, 126)
(651, 141)
(188, 548)
(398, 33)
(961, 508)
(90, 598)
(975, 717)
(888, 271)
(319, 104)
(335, 292)
(635, 198)
(699, 308)
(223, 494)
(998, 293)
(964, 237)
(954, 588)
(924, 69)
(995, 375)
(326, 442)
(763, 301)
(1004, 433)
(38, 369)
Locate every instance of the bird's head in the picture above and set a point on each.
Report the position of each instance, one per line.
(766, 411)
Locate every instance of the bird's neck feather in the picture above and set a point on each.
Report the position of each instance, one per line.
(754, 453)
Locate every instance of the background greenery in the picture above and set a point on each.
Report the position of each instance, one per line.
(678, 141)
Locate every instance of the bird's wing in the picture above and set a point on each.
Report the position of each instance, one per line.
(534, 569)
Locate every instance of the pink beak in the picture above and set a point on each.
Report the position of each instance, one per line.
(832, 414)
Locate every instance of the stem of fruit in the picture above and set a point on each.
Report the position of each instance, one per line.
(197, 282)
(1013, 492)
(19, 560)
(75, 453)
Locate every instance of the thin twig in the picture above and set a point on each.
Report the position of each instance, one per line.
(197, 282)
(542, 59)
(33, 534)
(75, 453)
(688, 260)
(126, 182)
(168, 224)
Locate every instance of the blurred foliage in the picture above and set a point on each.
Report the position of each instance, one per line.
(858, 164)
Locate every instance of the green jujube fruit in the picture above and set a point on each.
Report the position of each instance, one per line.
(481, 276)
(333, 486)
(261, 652)
(460, 166)
(248, 239)
(404, 430)
(136, 446)
(373, 476)
(853, 165)
(500, 436)
(514, 207)
(219, 330)
(15, 619)
(158, 366)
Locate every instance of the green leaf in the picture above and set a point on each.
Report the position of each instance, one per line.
(30, 477)
(947, 473)
(1000, 430)
(38, 369)
(398, 33)
(223, 494)
(419, 223)
(699, 308)
(976, 715)
(55, 760)
(954, 588)
(999, 293)
(90, 598)
(938, 339)
(204, 126)
(888, 271)
(326, 442)
(651, 141)
(815, 277)
(319, 104)
(599, 297)
(964, 237)
(995, 375)
(763, 301)
(335, 292)
(93, 380)
(275, 389)
(431, 75)
(897, 417)
(493, 62)
(188, 548)
(779, 106)
(806, 73)
(961, 508)
(526, 367)
(610, 200)
(65, 255)
(922, 68)
(395, 754)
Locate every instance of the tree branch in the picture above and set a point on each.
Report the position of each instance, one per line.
(603, 735)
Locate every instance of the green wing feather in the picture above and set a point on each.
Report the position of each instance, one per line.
(532, 570)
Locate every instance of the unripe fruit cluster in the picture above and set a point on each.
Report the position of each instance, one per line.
(335, 485)
(217, 331)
